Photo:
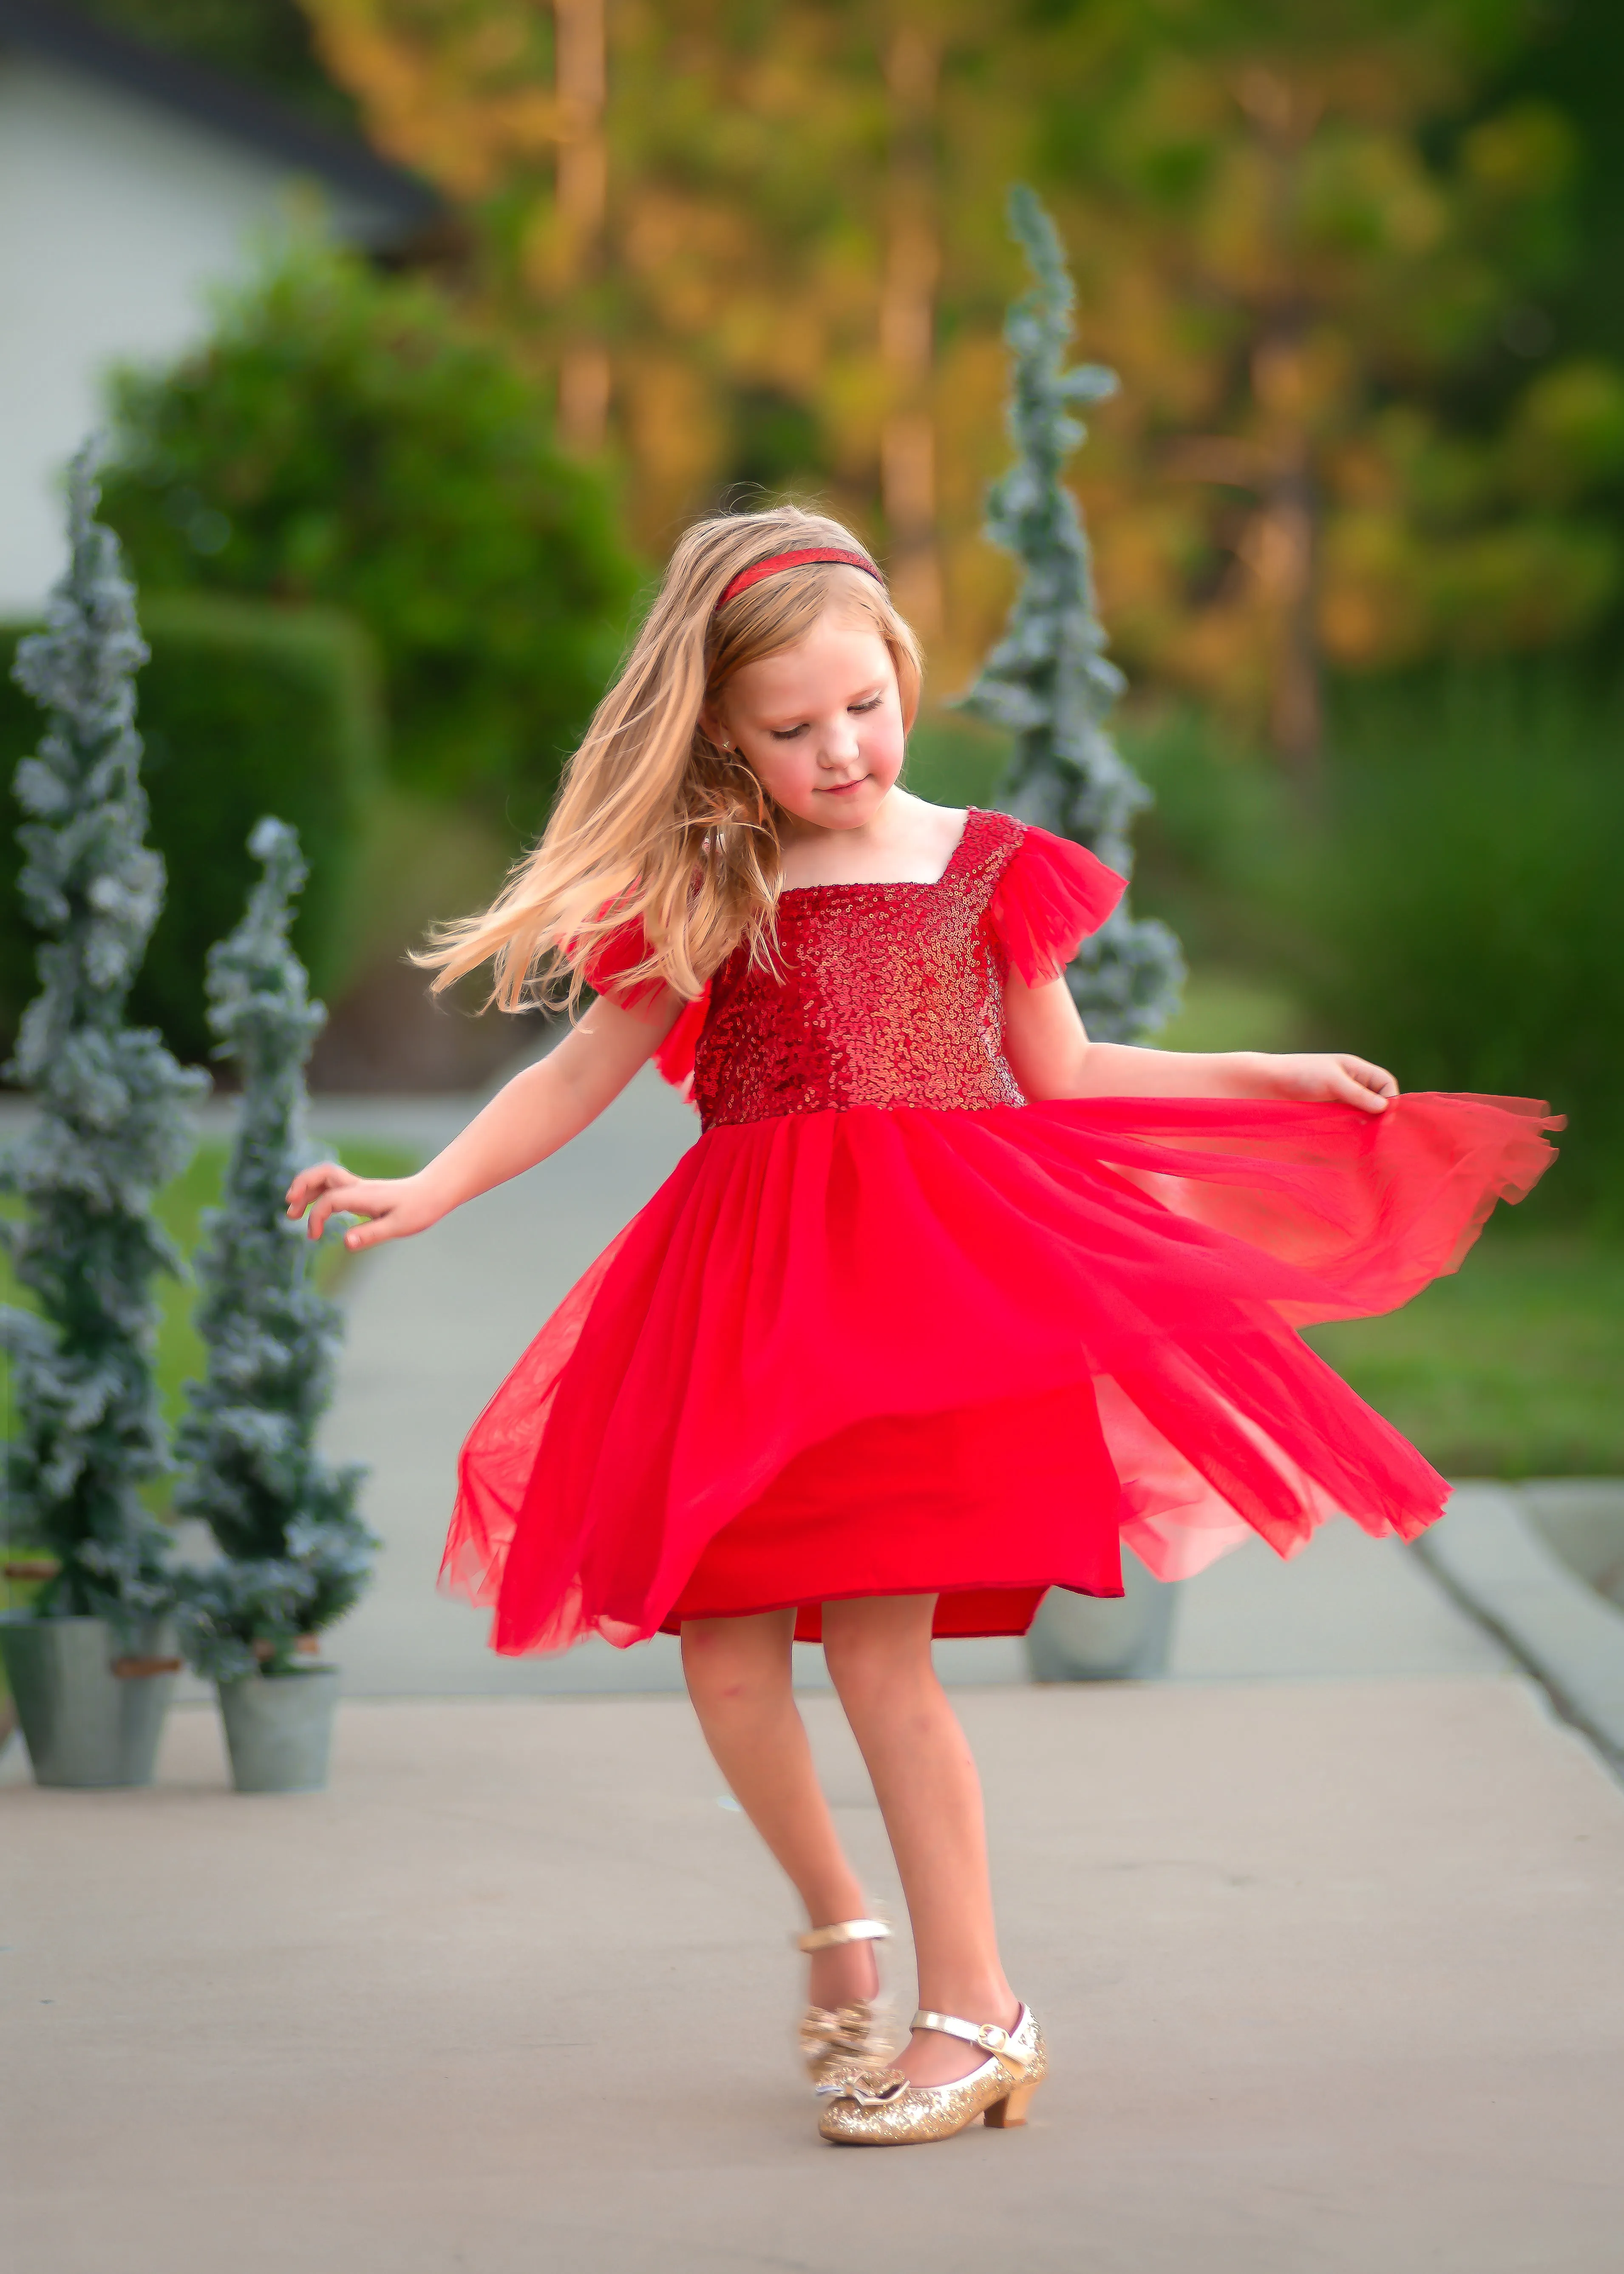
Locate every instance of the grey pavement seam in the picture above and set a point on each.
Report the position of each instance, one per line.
(1491, 1557)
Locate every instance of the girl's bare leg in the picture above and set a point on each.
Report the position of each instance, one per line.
(878, 1650)
(738, 1674)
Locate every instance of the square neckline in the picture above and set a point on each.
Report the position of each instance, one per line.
(973, 814)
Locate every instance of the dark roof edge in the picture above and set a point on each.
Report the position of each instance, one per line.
(225, 104)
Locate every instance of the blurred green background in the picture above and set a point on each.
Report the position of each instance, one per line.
(1358, 511)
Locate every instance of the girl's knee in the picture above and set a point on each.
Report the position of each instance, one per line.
(870, 1649)
(731, 1661)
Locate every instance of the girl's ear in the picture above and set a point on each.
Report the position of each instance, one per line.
(712, 726)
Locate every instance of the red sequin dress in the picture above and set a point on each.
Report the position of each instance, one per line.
(889, 1329)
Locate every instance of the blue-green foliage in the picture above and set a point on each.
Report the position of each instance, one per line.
(110, 1125)
(296, 1554)
(1049, 681)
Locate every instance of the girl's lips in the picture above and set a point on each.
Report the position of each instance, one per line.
(843, 789)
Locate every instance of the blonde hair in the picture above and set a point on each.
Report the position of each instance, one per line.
(654, 820)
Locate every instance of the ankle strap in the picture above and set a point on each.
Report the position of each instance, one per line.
(825, 1938)
(986, 2035)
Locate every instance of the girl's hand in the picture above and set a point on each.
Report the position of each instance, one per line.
(396, 1205)
(1334, 1075)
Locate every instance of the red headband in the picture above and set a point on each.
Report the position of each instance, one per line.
(754, 574)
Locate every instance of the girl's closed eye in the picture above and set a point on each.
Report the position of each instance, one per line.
(864, 703)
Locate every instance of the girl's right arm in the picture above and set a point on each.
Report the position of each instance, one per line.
(532, 1116)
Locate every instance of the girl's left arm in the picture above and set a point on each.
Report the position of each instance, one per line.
(1051, 1056)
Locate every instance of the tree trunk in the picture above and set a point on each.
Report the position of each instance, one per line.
(1296, 719)
(908, 325)
(1283, 544)
(1283, 550)
(581, 79)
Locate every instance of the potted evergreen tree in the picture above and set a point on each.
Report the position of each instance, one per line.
(1050, 683)
(89, 1661)
(296, 1553)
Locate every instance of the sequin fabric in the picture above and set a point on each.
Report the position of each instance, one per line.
(871, 2112)
(885, 995)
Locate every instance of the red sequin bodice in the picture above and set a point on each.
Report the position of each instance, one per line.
(883, 995)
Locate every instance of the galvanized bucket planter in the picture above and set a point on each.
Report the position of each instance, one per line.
(90, 1701)
(1122, 1638)
(279, 1728)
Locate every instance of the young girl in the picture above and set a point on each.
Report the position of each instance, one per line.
(946, 1302)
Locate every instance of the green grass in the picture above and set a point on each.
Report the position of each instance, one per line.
(1512, 1368)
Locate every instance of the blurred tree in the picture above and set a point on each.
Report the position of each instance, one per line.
(341, 438)
(691, 217)
(1303, 236)
(1301, 244)
(503, 104)
(1573, 62)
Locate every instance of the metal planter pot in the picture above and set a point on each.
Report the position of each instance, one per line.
(90, 1700)
(1122, 1638)
(279, 1728)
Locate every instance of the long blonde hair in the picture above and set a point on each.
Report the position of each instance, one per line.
(654, 820)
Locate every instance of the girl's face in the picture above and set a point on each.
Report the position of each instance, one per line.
(819, 724)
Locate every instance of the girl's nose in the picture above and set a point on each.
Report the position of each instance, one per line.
(839, 746)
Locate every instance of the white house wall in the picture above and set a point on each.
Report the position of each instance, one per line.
(117, 215)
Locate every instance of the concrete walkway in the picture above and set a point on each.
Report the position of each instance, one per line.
(1332, 1974)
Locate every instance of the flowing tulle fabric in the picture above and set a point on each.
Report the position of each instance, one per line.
(1097, 1298)
(966, 1349)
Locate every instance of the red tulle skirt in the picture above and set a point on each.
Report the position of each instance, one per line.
(911, 1350)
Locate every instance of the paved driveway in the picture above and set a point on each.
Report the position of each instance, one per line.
(1333, 1973)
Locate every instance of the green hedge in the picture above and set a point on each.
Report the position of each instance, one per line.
(245, 709)
(1461, 897)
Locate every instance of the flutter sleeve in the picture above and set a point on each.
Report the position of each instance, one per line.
(621, 952)
(1047, 901)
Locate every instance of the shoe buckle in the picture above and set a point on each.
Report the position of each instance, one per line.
(991, 2038)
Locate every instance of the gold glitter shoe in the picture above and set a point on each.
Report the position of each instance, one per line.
(835, 2039)
(880, 2108)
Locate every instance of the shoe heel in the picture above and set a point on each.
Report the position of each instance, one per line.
(1012, 2110)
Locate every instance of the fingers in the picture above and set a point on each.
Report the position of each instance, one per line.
(347, 1196)
(1373, 1077)
(337, 1202)
(369, 1234)
(311, 1181)
(327, 1190)
(1354, 1082)
(1367, 1100)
